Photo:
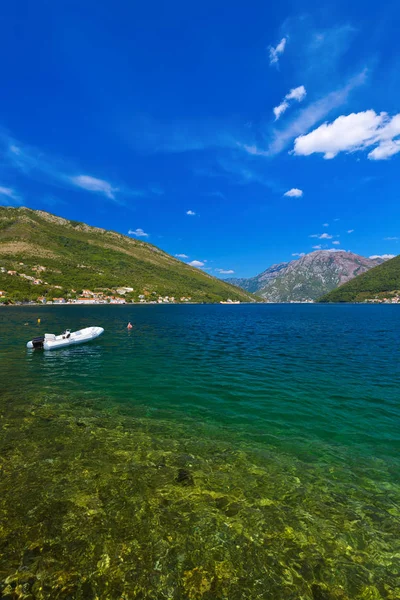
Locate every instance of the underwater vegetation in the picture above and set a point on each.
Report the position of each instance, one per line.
(99, 504)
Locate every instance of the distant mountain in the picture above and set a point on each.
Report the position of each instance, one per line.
(379, 282)
(309, 277)
(51, 256)
(254, 284)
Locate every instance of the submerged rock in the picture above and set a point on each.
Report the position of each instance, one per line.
(184, 477)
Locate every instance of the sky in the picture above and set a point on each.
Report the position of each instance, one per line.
(233, 135)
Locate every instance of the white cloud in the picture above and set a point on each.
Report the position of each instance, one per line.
(138, 232)
(253, 149)
(15, 150)
(350, 231)
(325, 224)
(92, 184)
(280, 109)
(225, 271)
(298, 254)
(383, 256)
(317, 247)
(275, 53)
(297, 94)
(322, 236)
(181, 256)
(352, 133)
(8, 193)
(385, 150)
(391, 239)
(336, 242)
(294, 193)
(190, 212)
(310, 115)
(45, 168)
(196, 263)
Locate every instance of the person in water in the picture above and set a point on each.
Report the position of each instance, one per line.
(129, 326)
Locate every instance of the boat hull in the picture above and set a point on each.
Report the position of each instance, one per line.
(55, 342)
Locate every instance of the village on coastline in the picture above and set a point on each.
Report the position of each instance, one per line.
(87, 296)
(128, 295)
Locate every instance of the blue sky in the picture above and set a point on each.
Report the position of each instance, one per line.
(235, 134)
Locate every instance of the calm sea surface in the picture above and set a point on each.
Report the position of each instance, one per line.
(211, 452)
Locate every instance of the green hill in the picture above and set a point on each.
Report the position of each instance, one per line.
(380, 281)
(68, 256)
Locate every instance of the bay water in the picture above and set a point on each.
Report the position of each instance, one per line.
(245, 451)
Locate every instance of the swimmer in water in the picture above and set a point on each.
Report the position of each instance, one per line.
(129, 326)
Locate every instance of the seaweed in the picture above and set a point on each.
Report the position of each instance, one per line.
(104, 504)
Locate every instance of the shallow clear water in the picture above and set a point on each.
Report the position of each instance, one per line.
(210, 452)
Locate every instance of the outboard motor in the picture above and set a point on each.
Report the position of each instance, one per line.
(37, 342)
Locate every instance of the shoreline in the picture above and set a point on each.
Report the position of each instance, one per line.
(146, 304)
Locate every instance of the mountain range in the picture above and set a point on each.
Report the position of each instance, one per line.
(43, 255)
(380, 283)
(307, 278)
(52, 257)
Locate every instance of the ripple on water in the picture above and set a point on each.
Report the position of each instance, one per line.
(207, 454)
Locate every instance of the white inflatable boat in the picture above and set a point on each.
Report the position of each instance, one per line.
(49, 341)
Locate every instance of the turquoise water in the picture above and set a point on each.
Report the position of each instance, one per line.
(210, 452)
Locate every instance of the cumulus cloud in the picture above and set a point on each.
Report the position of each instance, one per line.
(352, 133)
(383, 256)
(350, 231)
(294, 193)
(317, 247)
(385, 150)
(181, 256)
(275, 53)
(225, 271)
(391, 239)
(336, 242)
(325, 224)
(196, 263)
(322, 236)
(313, 113)
(298, 254)
(138, 232)
(297, 94)
(190, 212)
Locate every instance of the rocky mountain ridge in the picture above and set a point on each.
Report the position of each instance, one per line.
(254, 284)
(309, 277)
